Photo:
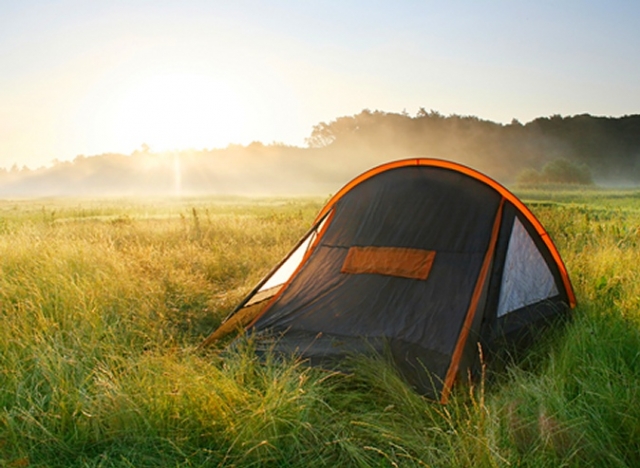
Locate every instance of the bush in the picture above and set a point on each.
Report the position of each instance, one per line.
(558, 171)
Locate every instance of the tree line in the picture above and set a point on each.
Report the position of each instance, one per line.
(588, 148)
(608, 146)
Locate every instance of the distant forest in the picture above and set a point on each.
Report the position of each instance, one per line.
(607, 148)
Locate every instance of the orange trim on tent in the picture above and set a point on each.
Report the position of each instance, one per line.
(306, 256)
(473, 306)
(506, 194)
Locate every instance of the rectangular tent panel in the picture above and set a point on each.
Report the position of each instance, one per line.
(392, 261)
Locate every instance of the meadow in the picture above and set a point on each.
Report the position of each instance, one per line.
(104, 302)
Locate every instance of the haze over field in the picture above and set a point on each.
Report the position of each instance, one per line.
(579, 149)
(174, 96)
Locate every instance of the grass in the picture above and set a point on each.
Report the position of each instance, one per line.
(103, 303)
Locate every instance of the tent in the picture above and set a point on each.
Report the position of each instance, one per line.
(419, 258)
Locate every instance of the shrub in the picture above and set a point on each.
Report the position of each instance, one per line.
(558, 171)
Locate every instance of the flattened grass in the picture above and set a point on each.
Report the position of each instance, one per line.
(103, 303)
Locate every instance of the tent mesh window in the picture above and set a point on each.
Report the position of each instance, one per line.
(527, 278)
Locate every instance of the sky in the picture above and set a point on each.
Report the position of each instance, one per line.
(93, 77)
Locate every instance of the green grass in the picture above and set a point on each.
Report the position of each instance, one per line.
(103, 303)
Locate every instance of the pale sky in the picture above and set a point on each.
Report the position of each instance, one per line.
(89, 77)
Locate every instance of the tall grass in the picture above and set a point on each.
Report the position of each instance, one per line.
(103, 302)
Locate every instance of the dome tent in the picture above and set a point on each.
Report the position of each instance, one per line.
(423, 258)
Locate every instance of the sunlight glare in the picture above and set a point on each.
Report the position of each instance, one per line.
(179, 111)
(177, 175)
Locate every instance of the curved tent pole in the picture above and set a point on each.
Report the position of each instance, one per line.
(478, 176)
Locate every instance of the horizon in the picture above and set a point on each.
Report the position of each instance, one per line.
(580, 149)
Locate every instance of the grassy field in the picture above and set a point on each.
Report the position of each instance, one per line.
(103, 302)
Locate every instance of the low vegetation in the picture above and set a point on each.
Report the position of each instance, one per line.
(103, 303)
(558, 172)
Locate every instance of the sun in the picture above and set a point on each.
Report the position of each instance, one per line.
(178, 111)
